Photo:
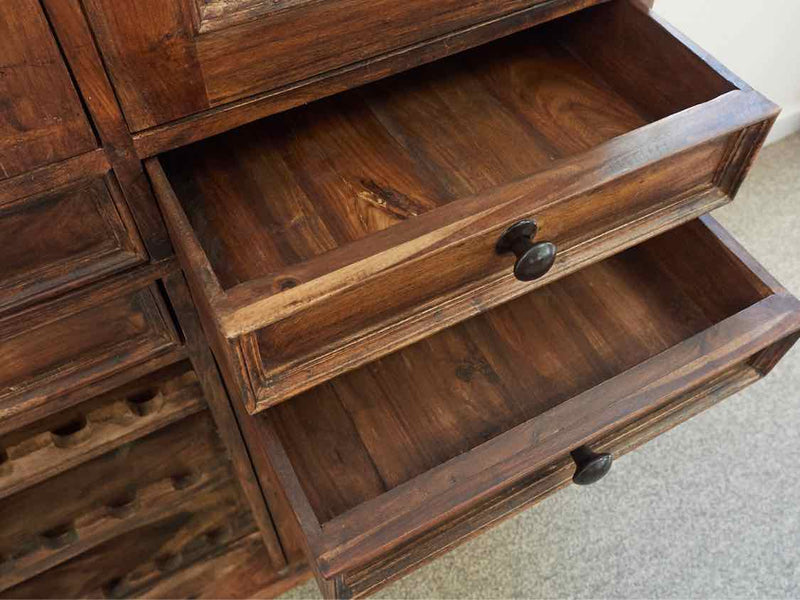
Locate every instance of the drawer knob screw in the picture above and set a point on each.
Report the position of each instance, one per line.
(590, 466)
(533, 259)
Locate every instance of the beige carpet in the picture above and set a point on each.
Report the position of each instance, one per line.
(708, 510)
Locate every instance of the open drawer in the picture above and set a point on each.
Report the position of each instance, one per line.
(391, 464)
(297, 234)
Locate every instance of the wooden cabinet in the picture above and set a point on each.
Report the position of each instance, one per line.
(439, 292)
(169, 59)
(41, 117)
(393, 463)
(326, 237)
(122, 468)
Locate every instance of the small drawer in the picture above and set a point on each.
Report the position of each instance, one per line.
(64, 239)
(330, 235)
(61, 345)
(398, 461)
(135, 484)
(78, 434)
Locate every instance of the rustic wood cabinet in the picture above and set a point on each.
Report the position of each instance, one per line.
(329, 286)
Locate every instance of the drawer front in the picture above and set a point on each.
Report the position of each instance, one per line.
(61, 345)
(64, 239)
(169, 58)
(456, 272)
(151, 554)
(136, 484)
(41, 118)
(393, 463)
(42, 449)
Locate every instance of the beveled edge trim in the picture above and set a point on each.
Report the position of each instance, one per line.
(446, 310)
(121, 250)
(16, 322)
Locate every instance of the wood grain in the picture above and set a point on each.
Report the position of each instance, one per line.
(242, 571)
(126, 414)
(164, 69)
(367, 580)
(68, 20)
(38, 181)
(220, 407)
(392, 197)
(63, 239)
(112, 494)
(158, 139)
(684, 78)
(149, 553)
(302, 184)
(91, 390)
(60, 345)
(474, 381)
(42, 117)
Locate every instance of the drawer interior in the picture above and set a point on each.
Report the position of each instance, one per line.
(297, 185)
(604, 126)
(369, 431)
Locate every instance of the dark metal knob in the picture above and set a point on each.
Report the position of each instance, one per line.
(590, 466)
(533, 259)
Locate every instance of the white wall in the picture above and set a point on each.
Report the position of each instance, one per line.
(759, 40)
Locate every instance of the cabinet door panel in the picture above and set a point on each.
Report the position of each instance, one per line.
(172, 58)
(41, 118)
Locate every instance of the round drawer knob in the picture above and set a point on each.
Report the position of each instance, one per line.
(533, 259)
(590, 466)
